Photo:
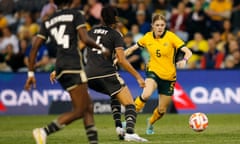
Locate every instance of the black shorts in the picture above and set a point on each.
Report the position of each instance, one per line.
(69, 79)
(163, 86)
(109, 84)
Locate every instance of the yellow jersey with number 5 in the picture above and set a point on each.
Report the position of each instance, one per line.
(162, 53)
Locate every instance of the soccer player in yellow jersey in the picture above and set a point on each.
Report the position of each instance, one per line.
(162, 46)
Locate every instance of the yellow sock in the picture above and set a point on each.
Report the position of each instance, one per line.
(155, 116)
(139, 103)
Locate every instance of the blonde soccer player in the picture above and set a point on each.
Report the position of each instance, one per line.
(162, 46)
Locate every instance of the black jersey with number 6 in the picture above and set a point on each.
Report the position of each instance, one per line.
(62, 28)
(97, 64)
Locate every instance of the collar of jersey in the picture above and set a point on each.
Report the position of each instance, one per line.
(161, 35)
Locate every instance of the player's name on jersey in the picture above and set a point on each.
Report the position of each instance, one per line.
(100, 31)
(61, 18)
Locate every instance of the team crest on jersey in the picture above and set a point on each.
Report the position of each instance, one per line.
(165, 44)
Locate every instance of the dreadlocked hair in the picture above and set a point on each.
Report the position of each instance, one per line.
(109, 14)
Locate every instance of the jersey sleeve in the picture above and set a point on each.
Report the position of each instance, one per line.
(43, 33)
(118, 40)
(79, 20)
(177, 42)
(142, 41)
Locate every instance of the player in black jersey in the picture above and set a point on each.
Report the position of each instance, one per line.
(64, 27)
(103, 76)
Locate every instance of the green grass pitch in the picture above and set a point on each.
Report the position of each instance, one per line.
(172, 129)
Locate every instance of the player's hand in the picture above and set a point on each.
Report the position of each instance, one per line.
(30, 83)
(141, 82)
(106, 52)
(181, 64)
(52, 77)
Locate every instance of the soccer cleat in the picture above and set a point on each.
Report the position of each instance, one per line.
(134, 137)
(149, 130)
(40, 136)
(120, 132)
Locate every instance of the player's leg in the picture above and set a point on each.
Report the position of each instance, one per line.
(140, 101)
(88, 116)
(165, 90)
(125, 98)
(110, 85)
(158, 112)
(116, 113)
(81, 108)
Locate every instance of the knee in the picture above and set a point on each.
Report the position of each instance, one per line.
(145, 96)
(162, 111)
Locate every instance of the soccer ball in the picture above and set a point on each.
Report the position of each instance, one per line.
(198, 121)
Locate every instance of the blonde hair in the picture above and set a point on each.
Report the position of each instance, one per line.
(157, 16)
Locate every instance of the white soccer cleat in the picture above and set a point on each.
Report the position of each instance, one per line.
(120, 132)
(40, 136)
(134, 137)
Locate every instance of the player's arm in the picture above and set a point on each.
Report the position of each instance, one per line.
(131, 49)
(187, 54)
(82, 31)
(128, 67)
(31, 81)
(127, 52)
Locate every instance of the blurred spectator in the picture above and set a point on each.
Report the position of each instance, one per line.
(178, 22)
(42, 59)
(3, 20)
(229, 62)
(47, 10)
(218, 11)
(136, 33)
(141, 6)
(227, 29)
(7, 6)
(125, 12)
(204, 3)
(15, 61)
(29, 27)
(216, 35)
(188, 5)
(163, 7)
(121, 28)
(231, 46)
(29, 5)
(198, 46)
(236, 55)
(235, 15)
(76, 4)
(9, 38)
(213, 59)
(144, 26)
(197, 21)
(94, 11)
(135, 58)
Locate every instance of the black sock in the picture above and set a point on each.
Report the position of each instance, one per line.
(130, 117)
(116, 111)
(92, 135)
(53, 127)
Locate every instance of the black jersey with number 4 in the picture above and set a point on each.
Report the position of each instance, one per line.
(96, 64)
(62, 27)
